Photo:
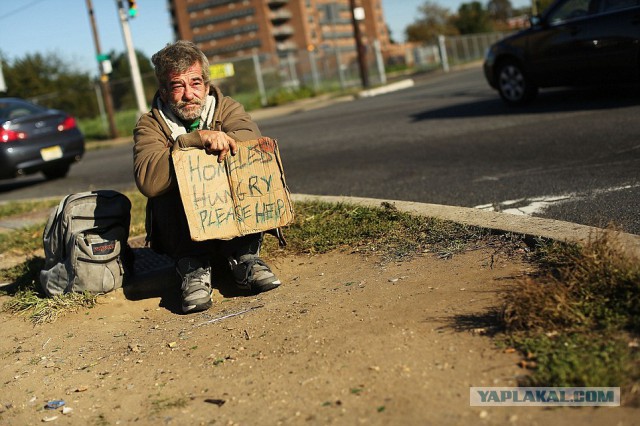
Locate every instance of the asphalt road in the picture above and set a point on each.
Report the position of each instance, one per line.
(572, 155)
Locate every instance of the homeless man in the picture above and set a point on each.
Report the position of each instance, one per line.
(188, 111)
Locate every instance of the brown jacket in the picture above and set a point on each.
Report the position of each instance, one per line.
(153, 143)
(154, 174)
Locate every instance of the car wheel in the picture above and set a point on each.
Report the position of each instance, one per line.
(56, 172)
(513, 84)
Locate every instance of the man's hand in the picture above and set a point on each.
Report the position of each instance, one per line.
(219, 143)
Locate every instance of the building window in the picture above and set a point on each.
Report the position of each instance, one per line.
(208, 4)
(223, 17)
(232, 32)
(233, 48)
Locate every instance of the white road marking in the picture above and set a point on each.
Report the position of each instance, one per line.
(534, 205)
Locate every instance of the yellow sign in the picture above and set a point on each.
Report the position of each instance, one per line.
(219, 71)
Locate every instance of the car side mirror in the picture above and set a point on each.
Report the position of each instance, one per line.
(535, 21)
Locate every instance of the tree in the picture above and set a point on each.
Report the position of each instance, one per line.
(500, 10)
(472, 18)
(541, 5)
(50, 82)
(391, 39)
(121, 85)
(435, 21)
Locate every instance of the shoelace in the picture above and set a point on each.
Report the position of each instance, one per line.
(194, 276)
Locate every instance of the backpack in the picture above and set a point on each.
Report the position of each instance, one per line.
(85, 243)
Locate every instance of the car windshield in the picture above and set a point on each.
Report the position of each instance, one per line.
(10, 109)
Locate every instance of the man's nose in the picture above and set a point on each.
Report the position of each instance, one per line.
(188, 93)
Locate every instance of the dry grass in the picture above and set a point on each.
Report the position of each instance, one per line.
(577, 322)
(579, 288)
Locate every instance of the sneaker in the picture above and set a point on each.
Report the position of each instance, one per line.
(251, 273)
(196, 284)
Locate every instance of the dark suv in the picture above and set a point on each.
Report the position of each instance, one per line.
(574, 42)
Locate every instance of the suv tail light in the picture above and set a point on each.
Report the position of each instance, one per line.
(67, 124)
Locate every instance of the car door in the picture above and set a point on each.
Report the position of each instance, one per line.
(559, 52)
(615, 41)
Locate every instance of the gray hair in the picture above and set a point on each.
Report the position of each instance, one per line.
(177, 58)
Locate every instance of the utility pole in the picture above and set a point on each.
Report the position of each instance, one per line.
(104, 76)
(357, 14)
(133, 60)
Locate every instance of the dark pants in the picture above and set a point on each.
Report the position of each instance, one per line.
(168, 233)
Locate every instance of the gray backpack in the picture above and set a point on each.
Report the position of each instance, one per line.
(85, 243)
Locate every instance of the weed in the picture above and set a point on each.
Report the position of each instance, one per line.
(576, 359)
(574, 319)
(158, 405)
(579, 288)
(47, 309)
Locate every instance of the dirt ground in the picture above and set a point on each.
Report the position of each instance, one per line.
(345, 340)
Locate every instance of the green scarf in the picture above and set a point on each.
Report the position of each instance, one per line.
(193, 126)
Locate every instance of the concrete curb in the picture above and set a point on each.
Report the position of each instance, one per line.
(326, 100)
(399, 85)
(525, 225)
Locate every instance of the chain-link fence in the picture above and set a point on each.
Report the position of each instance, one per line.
(261, 80)
(455, 50)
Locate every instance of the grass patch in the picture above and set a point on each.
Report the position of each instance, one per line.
(41, 309)
(596, 287)
(23, 240)
(28, 300)
(578, 319)
(159, 405)
(14, 208)
(321, 227)
(95, 129)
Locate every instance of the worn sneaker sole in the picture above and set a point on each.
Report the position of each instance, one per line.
(261, 288)
(197, 306)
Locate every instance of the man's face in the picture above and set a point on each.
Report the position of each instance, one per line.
(186, 93)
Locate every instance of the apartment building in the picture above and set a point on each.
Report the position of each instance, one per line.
(240, 28)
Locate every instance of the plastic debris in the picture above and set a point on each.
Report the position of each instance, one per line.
(55, 404)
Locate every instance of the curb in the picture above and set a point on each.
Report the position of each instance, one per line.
(399, 85)
(533, 227)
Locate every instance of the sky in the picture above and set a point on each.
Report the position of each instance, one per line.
(63, 27)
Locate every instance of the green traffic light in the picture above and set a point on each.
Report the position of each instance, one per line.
(133, 13)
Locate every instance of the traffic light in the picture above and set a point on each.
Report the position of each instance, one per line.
(133, 8)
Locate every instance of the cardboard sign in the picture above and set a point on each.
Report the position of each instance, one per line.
(243, 195)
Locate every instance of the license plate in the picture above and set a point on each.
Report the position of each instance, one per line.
(51, 153)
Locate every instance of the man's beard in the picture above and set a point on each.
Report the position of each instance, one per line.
(178, 108)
